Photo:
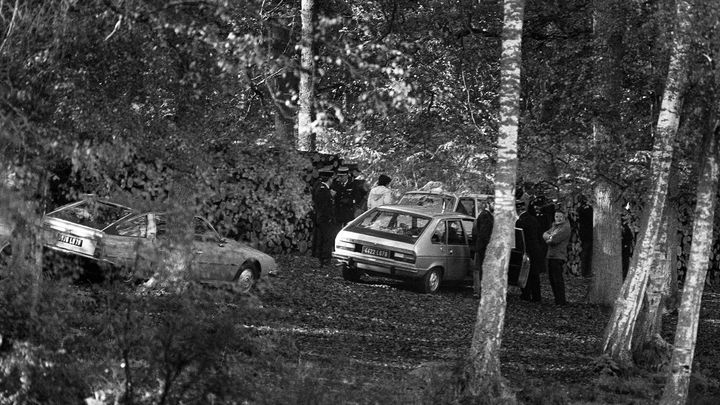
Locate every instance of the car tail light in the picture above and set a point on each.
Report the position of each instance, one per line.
(343, 244)
(404, 257)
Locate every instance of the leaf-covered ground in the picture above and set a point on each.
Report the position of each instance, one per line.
(380, 341)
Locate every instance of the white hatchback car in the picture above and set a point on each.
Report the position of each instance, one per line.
(412, 243)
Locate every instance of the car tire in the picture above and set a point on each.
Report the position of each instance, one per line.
(246, 278)
(430, 283)
(351, 274)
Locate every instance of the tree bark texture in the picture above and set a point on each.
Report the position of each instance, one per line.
(608, 27)
(306, 135)
(483, 372)
(618, 335)
(650, 317)
(607, 258)
(281, 82)
(676, 388)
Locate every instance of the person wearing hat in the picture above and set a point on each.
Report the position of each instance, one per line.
(344, 201)
(324, 224)
(380, 194)
(533, 248)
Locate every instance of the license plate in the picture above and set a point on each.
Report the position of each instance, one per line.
(61, 237)
(375, 252)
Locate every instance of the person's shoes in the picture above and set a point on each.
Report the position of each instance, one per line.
(561, 303)
(525, 297)
(476, 296)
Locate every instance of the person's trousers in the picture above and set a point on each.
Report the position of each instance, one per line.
(557, 282)
(531, 292)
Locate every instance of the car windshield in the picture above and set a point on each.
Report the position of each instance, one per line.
(92, 213)
(400, 226)
(441, 202)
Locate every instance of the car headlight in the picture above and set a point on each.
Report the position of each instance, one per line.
(343, 244)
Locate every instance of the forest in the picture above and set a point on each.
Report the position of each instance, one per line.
(228, 109)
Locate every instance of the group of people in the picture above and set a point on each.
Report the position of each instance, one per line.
(339, 197)
(546, 242)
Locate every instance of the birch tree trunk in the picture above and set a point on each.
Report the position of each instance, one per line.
(676, 388)
(608, 28)
(483, 370)
(618, 335)
(306, 135)
(649, 321)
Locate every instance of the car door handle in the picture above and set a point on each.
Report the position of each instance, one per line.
(450, 252)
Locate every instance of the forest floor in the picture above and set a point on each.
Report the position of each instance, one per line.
(379, 341)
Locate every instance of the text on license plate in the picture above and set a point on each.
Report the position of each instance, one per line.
(69, 239)
(375, 252)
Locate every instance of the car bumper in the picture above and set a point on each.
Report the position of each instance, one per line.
(378, 266)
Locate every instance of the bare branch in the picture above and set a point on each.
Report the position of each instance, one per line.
(10, 26)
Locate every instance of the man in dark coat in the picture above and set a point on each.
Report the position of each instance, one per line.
(534, 248)
(344, 201)
(481, 233)
(585, 233)
(325, 228)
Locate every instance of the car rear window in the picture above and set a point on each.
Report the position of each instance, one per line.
(93, 214)
(400, 226)
(437, 201)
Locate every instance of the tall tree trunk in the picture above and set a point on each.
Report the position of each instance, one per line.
(607, 259)
(676, 388)
(483, 370)
(609, 27)
(649, 323)
(281, 82)
(617, 340)
(306, 135)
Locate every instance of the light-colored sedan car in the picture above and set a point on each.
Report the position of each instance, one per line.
(207, 257)
(411, 243)
(118, 235)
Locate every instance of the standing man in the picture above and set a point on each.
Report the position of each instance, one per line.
(557, 238)
(360, 189)
(344, 202)
(585, 233)
(325, 230)
(481, 233)
(534, 247)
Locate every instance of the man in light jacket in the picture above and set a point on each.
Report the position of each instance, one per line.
(557, 238)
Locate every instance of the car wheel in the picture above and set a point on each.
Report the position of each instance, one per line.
(245, 279)
(351, 273)
(431, 282)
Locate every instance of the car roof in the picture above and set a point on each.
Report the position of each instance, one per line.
(426, 211)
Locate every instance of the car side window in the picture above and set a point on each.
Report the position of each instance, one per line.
(455, 233)
(467, 206)
(136, 227)
(438, 236)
